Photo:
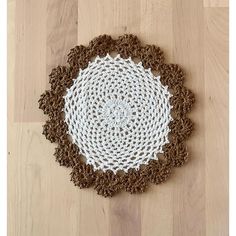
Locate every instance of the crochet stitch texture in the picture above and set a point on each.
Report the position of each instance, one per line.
(116, 124)
(118, 113)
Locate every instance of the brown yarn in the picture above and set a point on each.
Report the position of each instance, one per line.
(152, 57)
(158, 171)
(55, 130)
(181, 128)
(107, 184)
(78, 57)
(182, 100)
(128, 46)
(52, 103)
(135, 182)
(171, 75)
(83, 175)
(101, 46)
(176, 153)
(67, 154)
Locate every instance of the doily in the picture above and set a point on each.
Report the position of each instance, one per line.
(118, 123)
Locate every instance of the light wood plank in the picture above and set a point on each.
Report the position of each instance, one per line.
(157, 205)
(157, 210)
(30, 71)
(107, 17)
(189, 182)
(125, 215)
(41, 200)
(11, 58)
(216, 100)
(216, 3)
(156, 25)
(62, 17)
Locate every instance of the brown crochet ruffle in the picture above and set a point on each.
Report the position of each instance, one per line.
(83, 175)
(68, 155)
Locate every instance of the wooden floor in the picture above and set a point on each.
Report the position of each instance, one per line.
(41, 199)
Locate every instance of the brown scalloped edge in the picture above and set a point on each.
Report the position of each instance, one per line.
(67, 154)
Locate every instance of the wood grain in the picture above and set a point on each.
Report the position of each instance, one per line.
(216, 3)
(216, 131)
(189, 196)
(30, 66)
(41, 199)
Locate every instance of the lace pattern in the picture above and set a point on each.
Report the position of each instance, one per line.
(118, 113)
(71, 150)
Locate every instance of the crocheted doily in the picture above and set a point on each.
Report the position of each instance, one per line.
(118, 123)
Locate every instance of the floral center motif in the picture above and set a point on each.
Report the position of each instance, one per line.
(116, 113)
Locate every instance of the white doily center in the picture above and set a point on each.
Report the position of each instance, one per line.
(118, 113)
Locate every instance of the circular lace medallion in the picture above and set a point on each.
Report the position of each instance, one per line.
(118, 113)
(117, 124)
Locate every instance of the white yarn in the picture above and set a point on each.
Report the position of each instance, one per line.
(118, 113)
